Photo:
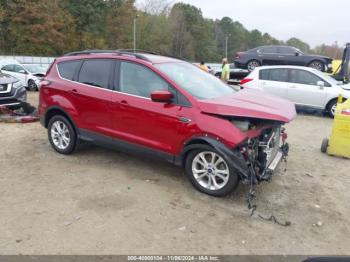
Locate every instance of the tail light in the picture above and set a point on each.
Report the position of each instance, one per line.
(245, 80)
(346, 112)
(44, 83)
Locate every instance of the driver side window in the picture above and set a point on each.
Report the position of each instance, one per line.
(139, 81)
(18, 69)
(304, 77)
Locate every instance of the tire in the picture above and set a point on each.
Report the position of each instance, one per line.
(252, 64)
(324, 145)
(32, 85)
(64, 141)
(318, 65)
(222, 175)
(331, 108)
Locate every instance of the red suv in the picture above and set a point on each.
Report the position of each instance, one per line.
(167, 108)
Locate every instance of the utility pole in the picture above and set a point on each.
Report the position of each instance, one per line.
(135, 19)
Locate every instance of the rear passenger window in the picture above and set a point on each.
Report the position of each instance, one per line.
(67, 69)
(280, 75)
(96, 72)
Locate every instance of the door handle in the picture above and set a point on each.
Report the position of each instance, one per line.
(124, 102)
(74, 91)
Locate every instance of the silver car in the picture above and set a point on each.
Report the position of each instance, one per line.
(302, 85)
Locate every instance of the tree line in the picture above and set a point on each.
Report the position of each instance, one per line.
(54, 27)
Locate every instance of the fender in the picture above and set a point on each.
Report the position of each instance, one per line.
(44, 117)
(233, 156)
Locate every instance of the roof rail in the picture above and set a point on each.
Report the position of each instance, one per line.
(139, 51)
(101, 51)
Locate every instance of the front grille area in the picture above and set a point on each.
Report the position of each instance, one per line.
(4, 87)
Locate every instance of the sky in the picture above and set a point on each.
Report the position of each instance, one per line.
(313, 21)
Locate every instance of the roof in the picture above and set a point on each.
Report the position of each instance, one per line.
(143, 55)
(286, 66)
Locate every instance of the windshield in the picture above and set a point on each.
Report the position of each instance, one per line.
(33, 68)
(331, 80)
(195, 81)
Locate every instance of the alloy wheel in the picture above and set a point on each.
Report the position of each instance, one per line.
(210, 170)
(317, 65)
(60, 135)
(252, 65)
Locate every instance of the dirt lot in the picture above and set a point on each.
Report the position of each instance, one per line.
(104, 202)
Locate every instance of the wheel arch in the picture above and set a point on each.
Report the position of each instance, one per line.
(56, 110)
(316, 60)
(231, 155)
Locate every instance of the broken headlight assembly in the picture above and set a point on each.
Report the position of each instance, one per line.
(263, 154)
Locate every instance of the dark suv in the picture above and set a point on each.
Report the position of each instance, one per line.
(12, 92)
(281, 55)
(166, 108)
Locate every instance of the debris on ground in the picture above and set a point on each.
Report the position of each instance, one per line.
(318, 224)
(26, 114)
(309, 175)
(68, 223)
(182, 228)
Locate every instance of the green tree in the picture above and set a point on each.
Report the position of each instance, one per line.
(119, 24)
(89, 20)
(298, 44)
(40, 27)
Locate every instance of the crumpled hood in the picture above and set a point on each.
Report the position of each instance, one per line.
(250, 103)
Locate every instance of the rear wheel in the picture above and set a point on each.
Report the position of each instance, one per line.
(210, 173)
(252, 64)
(62, 135)
(318, 65)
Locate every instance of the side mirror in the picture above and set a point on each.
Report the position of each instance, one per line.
(320, 83)
(297, 54)
(161, 96)
(22, 71)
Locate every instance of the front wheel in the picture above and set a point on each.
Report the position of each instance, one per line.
(210, 173)
(331, 108)
(32, 85)
(318, 65)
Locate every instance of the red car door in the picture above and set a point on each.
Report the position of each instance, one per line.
(138, 119)
(91, 95)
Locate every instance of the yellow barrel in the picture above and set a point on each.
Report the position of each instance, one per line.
(339, 142)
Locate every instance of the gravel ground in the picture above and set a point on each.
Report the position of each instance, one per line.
(99, 201)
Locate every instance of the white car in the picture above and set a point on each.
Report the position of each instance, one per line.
(28, 75)
(302, 85)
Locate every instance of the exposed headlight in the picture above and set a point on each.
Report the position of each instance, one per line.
(241, 125)
(17, 85)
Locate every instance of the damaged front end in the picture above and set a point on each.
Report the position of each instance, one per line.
(263, 154)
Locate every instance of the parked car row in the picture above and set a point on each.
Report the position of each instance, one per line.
(303, 86)
(28, 75)
(281, 55)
